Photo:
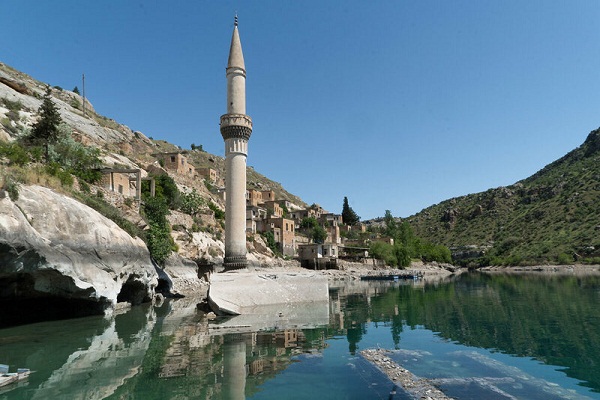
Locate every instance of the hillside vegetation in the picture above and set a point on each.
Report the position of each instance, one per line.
(551, 217)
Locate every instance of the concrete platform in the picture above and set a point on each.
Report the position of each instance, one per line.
(242, 292)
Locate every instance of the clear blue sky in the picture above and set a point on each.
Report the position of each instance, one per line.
(395, 104)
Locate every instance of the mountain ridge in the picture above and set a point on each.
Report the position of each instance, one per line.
(551, 216)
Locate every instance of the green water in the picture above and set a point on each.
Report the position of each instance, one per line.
(476, 337)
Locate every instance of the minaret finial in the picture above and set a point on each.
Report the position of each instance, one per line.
(235, 21)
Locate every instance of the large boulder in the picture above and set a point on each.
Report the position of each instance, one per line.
(54, 248)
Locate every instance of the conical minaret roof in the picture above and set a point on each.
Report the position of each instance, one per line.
(236, 58)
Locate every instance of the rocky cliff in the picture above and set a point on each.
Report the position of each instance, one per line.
(53, 247)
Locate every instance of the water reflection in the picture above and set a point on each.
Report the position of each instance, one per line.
(173, 352)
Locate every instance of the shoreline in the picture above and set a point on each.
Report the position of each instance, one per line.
(570, 269)
(427, 272)
(348, 271)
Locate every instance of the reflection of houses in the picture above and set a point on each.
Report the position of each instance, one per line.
(127, 182)
(177, 163)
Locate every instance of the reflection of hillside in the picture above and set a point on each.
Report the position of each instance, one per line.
(553, 319)
(112, 357)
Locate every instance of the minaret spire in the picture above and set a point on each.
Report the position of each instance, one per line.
(236, 128)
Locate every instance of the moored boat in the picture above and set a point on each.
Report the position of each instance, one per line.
(6, 378)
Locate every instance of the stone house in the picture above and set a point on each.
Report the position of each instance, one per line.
(299, 215)
(118, 182)
(274, 208)
(284, 231)
(268, 195)
(127, 182)
(318, 255)
(176, 162)
(253, 197)
(210, 174)
(254, 219)
(331, 219)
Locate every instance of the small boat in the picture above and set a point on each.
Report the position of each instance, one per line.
(6, 378)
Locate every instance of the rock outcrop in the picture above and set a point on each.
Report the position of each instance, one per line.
(53, 247)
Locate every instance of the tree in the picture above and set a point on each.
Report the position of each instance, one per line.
(309, 223)
(319, 234)
(194, 147)
(45, 131)
(391, 227)
(348, 215)
(76, 90)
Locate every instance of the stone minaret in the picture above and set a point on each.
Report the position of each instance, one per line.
(236, 128)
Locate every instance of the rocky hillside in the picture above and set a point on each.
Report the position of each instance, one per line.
(120, 147)
(552, 216)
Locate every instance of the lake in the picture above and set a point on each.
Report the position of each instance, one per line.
(475, 336)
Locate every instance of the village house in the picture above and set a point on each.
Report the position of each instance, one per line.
(255, 217)
(176, 162)
(333, 234)
(127, 182)
(285, 234)
(274, 208)
(318, 255)
(299, 215)
(253, 197)
(331, 219)
(210, 174)
(118, 182)
(267, 195)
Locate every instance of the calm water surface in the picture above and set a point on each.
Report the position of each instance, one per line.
(477, 336)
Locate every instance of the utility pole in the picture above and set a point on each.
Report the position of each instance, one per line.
(83, 91)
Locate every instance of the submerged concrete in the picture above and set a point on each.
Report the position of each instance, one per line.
(242, 292)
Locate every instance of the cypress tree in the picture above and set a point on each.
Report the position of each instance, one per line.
(45, 131)
(348, 215)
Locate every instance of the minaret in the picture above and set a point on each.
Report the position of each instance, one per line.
(236, 128)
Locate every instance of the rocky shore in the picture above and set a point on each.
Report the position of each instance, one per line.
(572, 269)
(415, 387)
(347, 272)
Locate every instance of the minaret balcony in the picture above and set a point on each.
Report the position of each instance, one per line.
(236, 126)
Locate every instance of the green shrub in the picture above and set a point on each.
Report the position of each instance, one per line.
(219, 214)
(15, 153)
(12, 188)
(75, 104)
(82, 161)
(191, 203)
(84, 187)
(564, 259)
(159, 240)
(15, 106)
(270, 239)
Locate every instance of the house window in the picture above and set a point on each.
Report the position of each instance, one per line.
(121, 189)
(172, 158)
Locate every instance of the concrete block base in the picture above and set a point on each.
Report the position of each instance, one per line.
(242, 292)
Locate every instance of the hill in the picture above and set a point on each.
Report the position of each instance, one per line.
(551, 217)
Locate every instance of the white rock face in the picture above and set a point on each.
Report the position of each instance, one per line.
(53, 246)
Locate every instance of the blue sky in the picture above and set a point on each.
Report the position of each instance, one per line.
(395, 104)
